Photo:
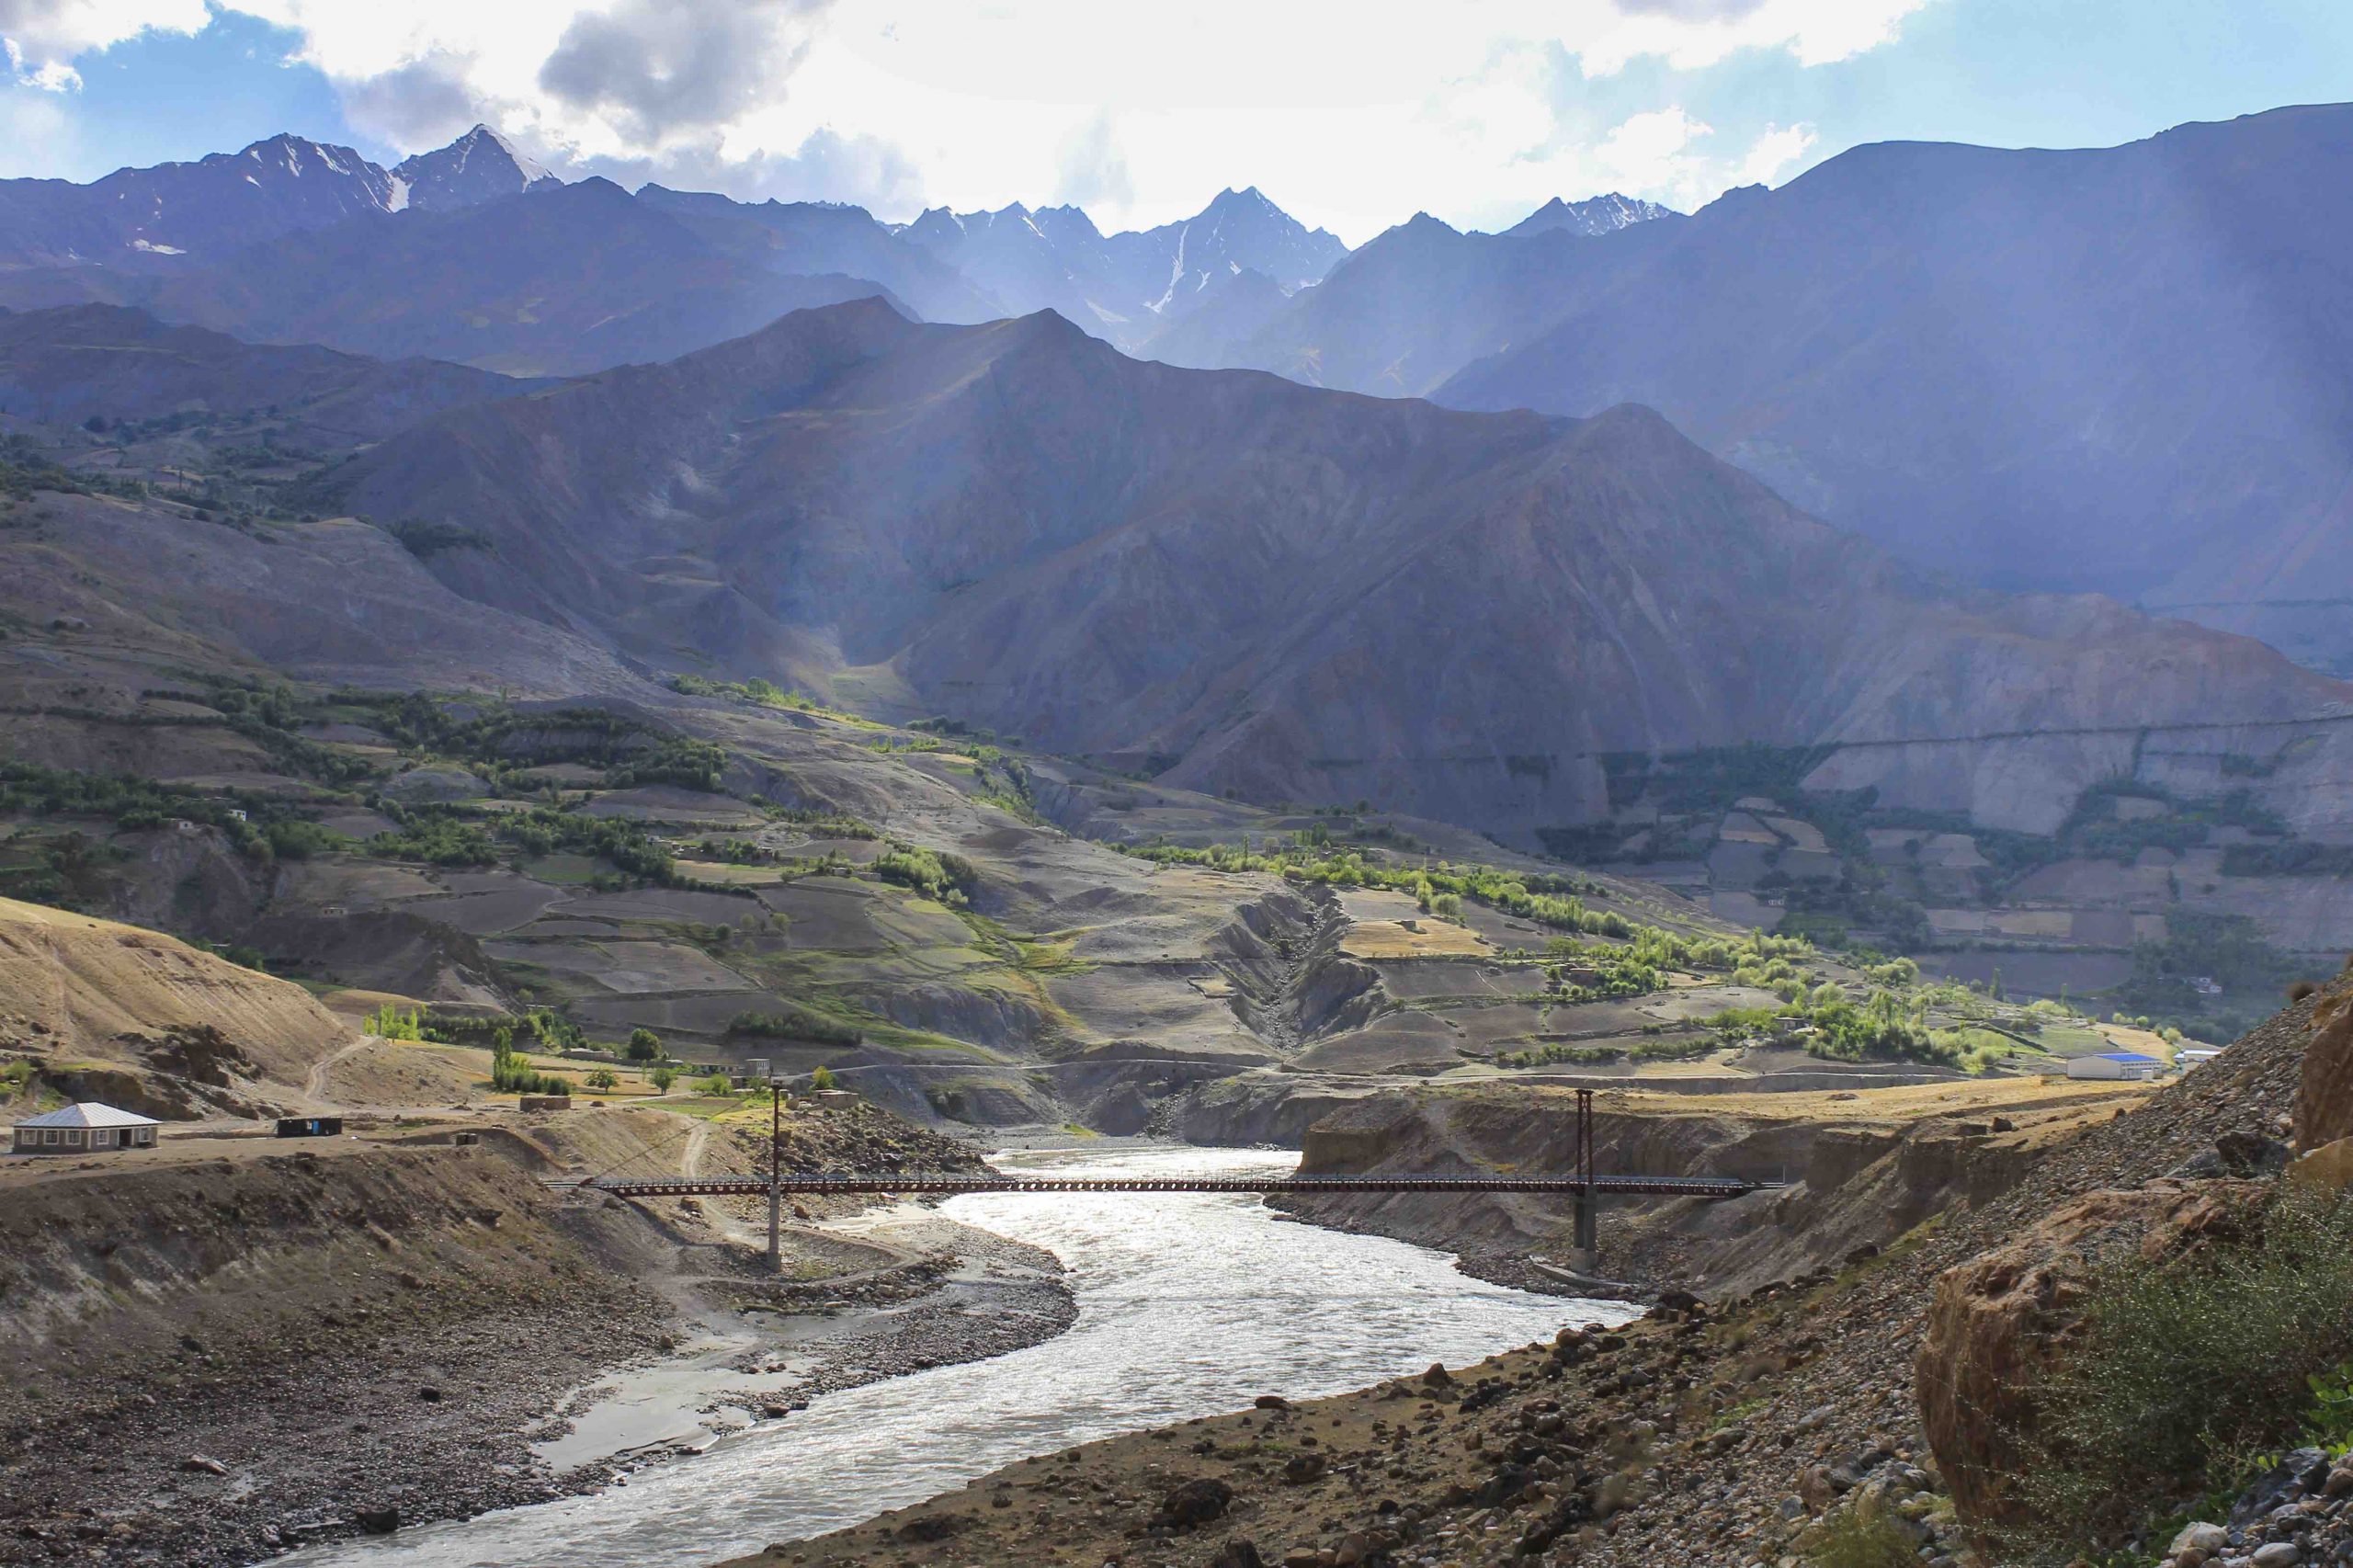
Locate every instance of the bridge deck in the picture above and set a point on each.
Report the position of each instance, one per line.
(930, 1181)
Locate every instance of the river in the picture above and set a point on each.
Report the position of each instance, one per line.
(1188, 1305)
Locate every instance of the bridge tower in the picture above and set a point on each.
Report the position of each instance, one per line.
(776, 1175)
(1588, 1201)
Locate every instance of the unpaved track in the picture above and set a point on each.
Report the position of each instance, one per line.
(314, 1083)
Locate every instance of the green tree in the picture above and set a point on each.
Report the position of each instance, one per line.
(662, 1078)
(823, 1078)
(645, 1045)
(715, 1084)
(604, 1078)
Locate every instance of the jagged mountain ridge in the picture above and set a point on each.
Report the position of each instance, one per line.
(1242, 584)
(481, 165)
(1596, 215)
(226, 201)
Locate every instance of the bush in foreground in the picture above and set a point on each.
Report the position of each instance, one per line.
(2188, 1370)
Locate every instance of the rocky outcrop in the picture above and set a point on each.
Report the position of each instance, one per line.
(1999, 1322)
(2324, 1097)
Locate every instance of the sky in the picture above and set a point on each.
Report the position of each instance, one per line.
(1351, 116)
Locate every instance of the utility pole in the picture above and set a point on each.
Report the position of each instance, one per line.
(776, 1175)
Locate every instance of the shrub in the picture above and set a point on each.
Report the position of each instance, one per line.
(715, 1084)
(823, 1078)
(645, 1045)
(1864, 1534)
(2187, 1368)
(933, 873)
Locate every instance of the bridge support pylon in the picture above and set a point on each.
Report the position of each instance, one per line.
(775, 1176)
(1588, 1237)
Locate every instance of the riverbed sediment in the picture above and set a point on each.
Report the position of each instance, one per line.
(1188, 1305)
(227, 1350)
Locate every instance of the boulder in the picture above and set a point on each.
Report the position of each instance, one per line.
(2327, 1169)
(2000, 1322)
(2325, 1097)
(1239, 1552)
(1192, 1503)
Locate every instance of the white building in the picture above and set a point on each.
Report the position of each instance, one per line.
(78, 1129)
(2126, 1064)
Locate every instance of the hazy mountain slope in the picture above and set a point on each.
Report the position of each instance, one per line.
(818, 237)
(560, 279)
(1416, 303)
(2128, 369)
(64, 366)
(1251, 585)
(335, 601)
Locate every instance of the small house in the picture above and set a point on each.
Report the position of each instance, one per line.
(2128, 1065)
(83, 1127)
(310, 1126)
(2190, 1056)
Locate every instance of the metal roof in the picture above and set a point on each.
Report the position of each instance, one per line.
(90, 1113)
(2127, 1056)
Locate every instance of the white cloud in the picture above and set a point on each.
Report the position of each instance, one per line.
(1775, 150)
(1353, 115)
(43, 37)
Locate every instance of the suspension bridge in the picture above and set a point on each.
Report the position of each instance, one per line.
(1585, 1188)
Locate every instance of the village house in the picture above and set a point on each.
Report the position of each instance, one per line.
(82, 1128)
(2130, 1065)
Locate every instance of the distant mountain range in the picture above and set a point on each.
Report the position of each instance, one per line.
(473, 252)
(1236, 582)
(1126, 288)
(285, 241)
